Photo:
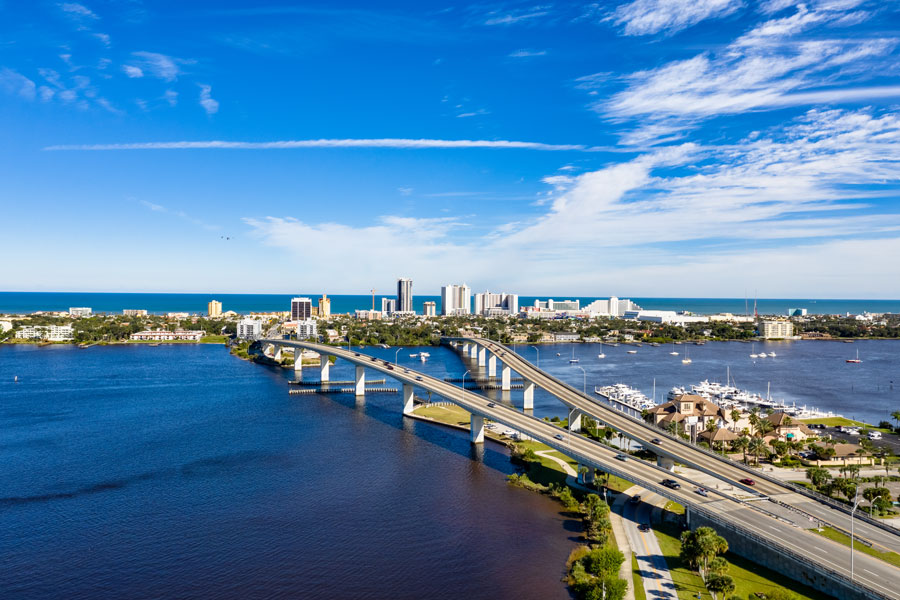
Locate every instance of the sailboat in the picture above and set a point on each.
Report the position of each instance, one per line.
(855, 360)
(601, 355)
(573, 360)
(753, 353)
(673, 352)
(686, 360)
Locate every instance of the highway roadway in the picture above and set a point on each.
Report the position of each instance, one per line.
(872, 573)
(720, 467)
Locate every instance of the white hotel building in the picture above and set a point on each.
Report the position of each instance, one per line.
(52, 333)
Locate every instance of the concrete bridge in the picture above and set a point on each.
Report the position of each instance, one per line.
(755, 529)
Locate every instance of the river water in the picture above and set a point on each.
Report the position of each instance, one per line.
(183, 472)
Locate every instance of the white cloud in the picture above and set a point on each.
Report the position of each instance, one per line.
(514, 17)
(132, 71)
(330, 143)
(171, 96)
(405, 191)
(104, 38)
(646, 17)
(17, 84)
(526, 53)
(159, 65)
(210, 105)
(78, 10)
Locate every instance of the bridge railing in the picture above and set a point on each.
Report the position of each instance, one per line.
(760, 474)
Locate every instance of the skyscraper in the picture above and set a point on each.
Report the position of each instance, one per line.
(214, 308)
(429, 309)
(490, 304)
(325, 306)
(404, 295)
(456, 300)
(301, 309)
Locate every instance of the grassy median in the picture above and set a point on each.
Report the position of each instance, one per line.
(832, 534)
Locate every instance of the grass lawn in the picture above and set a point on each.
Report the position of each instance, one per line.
(445, 413)
(214, 339)
(639, 593)
(674, 507)
(889, 557)
(748, 576)
(836, 421)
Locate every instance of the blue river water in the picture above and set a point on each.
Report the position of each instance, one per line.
(184, 472)
(26, 302)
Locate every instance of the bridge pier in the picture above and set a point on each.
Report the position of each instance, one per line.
(324, 367)
(505, 378)
(665, 462)
(575, 419)
(298, 360)
(473, 351)
(528, 403)
(492, 366)
(277, 354)
(482, 356)
(465, 348)
(360, 380)
(477, 429)
(407, 398)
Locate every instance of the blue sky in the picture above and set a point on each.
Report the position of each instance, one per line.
(645, 148)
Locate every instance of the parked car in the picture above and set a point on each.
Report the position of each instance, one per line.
(747, 481)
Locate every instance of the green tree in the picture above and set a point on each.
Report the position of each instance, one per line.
(700, 546)
(818, 476)
(735, 416)
(720, 584)
(756, 446)
(742, 443)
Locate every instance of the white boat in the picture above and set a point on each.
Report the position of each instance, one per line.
(686, 360)
(753, 353)
(772, 354)
(423, 356)
(631, 352)
(855, 360)
(414, 355)
(573, 360)
(673, 352)
(601, 355)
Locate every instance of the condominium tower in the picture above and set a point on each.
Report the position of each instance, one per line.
(456, 300)
(301, 309)
(404, 295)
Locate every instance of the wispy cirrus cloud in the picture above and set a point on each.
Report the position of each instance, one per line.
(648, 17)
(333, 143)
(13, 82)
(210, 105)
(515, 16)
(161, 66)
(159, 208)
(526, 53)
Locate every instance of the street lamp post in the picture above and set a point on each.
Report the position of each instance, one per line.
(397, 353)
(538, 356)
(852, 533)
(464, 380)
(584, 379)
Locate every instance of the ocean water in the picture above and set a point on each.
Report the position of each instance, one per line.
(26, 302)
(183, 472)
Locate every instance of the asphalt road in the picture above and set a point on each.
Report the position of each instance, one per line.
(870, 572)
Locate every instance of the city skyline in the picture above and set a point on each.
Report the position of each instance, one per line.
(670, 149)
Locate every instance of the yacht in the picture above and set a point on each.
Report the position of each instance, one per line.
(673, 352)
(573, 360)
(772, 355)
(601, 355)
(423, 356)
(631, 352)
(855, 360)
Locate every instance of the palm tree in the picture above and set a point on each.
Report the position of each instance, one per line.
(763, 427)
(896, 416)
(742, 443)
(756, 446)
(735, 415)
(818, 476)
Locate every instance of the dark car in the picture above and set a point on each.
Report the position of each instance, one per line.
(671, 484)
(491, 405)
(656, 441)
(418, 378)
(643, 527)
(747, 481)
(635, 499)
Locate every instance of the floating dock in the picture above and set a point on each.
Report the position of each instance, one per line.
(335, 390)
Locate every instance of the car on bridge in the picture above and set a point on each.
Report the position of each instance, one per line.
(747, 481)
(702, 492)
(656, 441)
(559, 436)
(671, 484)
(644, 527)
(491, 405)
(621, 457)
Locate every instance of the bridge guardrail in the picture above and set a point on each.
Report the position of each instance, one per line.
(762, 475)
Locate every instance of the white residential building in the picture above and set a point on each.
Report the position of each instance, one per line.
(558, 305)
(664, 316)
(134, 312)
(249, 329)
(456, 300)
(430, 309)
(492, 304)
(80, 311)
(307, 329)
(5, 326)
(53, 333)
(614, 307)
(388, 306)
(779, 328)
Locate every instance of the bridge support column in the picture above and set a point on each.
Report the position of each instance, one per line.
(298, 360)
(360, 380)
(465, 349)
(482, 356)
(407, 398)
(473, 351)
(591, 476)
(574, 419)
(492, 366)
(277, 354)
(505, 377)
(477, 429)
(665, 462)
(529, 395)
(324, 366)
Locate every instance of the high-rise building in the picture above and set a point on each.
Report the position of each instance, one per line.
(135, 312)
(456, 300)
(306, 329)
(301, 309)
(324, 306)
(779, 328)
(214, 308)
(430, 309)
(388, 306)
(249, 329)
(80, 311)
(491, 305)
(404, 295)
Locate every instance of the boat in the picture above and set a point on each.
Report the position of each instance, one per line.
(686, 360)
(673, 352)
(601, 355)
(654, 344)
(729, 396)
(416, 355)
(753, 353)
(855, 360)
(772, 355)
(558, 354)
(15, 378)
(573, 360)
(423, 356)
(631, 352)
(622, 394)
